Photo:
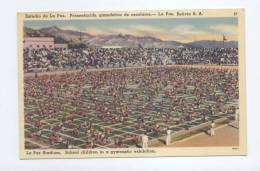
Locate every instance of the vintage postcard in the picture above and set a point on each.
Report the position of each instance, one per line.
(132, 83)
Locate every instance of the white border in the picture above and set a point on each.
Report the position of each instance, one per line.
(9, 153)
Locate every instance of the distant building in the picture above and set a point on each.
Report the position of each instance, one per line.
(111, 47)
(38, 42)
(61, 46)
(42, 43)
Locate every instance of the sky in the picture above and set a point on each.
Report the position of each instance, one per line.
(174, 29)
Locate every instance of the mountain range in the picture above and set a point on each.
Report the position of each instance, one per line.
(127, 40)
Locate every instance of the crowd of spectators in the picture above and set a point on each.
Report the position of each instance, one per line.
(66, 59)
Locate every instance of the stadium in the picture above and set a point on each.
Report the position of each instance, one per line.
(83, 98)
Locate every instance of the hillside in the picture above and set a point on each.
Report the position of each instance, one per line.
(127, 40)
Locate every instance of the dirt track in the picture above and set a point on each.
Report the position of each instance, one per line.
(224, 136)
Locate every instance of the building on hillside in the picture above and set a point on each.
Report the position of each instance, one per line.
(42, 43)
(38, 43)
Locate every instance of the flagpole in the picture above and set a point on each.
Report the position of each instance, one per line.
(80, 36)
(223, 42)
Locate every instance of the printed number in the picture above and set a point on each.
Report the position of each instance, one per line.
(235, 13)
